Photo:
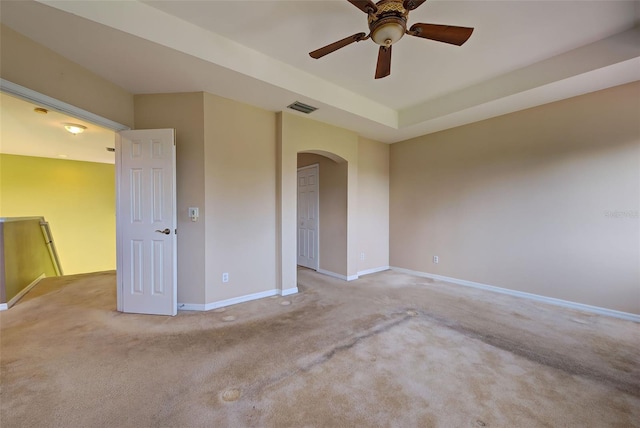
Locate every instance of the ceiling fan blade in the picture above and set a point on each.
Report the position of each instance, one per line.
(367, 6)
(383, 69)
(412, 4)
(442, 33)
(319, 53)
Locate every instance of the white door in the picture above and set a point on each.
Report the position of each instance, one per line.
(146, 221)
(308, 198)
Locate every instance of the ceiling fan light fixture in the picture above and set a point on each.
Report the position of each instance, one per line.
(388, 32)
(74, 128)
(387, 21)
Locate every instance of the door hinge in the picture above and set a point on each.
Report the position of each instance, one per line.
(175, 231)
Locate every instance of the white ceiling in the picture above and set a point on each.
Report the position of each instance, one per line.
(521, 54)
(27, 133)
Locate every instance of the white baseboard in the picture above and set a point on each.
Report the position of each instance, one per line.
(332, 274)
(25, 290)
(227, 302)
(289, 291)
(353, 277)
(374, 270)
(191, 307)
(544, 299)
(337, 275)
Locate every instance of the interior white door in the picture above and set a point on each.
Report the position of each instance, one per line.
(308, 212)
(146, 221)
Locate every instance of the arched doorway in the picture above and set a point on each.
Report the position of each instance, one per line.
(295, 135)
(322, 216)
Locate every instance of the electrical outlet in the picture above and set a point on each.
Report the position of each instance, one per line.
(436, 259)
(225, 277)
(361, 256)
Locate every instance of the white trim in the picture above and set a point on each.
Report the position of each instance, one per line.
(22, 292)
(315, 166)
(337, 275)
(119, 225)
(289, 291)
(538, 298)
(227, 302)
(191, 307)
(332, 274)
(54, 104)
(374, 270)
(3, 307)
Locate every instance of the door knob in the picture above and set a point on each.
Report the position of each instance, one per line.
(166, 231)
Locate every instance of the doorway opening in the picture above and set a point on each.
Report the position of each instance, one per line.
(322, 216)
(67, 178)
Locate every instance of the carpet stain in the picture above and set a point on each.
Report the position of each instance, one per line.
(229, 318)
(285, 303)
(547, 357)
(231, 395)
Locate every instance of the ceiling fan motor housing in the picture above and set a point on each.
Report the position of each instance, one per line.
(389, 23)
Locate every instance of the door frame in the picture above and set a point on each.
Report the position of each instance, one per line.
(60, 106)
(317, 168)
(71, 110)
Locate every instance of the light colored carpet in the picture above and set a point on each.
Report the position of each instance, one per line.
(388, 350)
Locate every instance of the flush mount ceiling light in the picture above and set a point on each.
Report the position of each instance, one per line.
(74, 128)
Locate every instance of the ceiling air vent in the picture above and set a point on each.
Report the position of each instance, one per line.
(298, 106)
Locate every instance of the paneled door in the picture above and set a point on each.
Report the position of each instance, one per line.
(308, 212)
(146, 221)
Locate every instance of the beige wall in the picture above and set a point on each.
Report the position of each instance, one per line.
(240, 174)
(298, 134)
(232, 131)
(225, 162)
(373, 205)
(521, 201)
(26, 63)
(76, 198)
(332, 211)
(185, 113)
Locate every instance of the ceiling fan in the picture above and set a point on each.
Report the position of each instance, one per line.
(387, 24)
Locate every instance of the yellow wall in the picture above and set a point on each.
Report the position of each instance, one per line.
(76, 198)
(524, 201)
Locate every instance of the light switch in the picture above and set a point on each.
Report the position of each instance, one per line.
(194, 213)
